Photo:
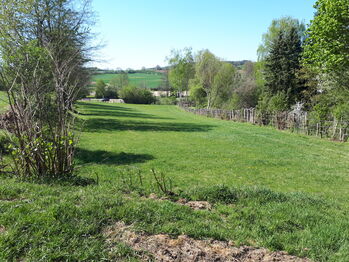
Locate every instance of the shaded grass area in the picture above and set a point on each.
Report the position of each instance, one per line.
(281, 191)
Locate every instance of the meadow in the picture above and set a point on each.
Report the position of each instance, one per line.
(268, 188)
(3, 101)
(151, 80)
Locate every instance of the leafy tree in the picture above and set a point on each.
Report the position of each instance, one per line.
(282, 65)
(326, 48)
(181, 69)
(225, 83)
(119, 81)
(284, 24)
(206, 68)
(197, 93)
(246, 95)
(137, 95)
(100, 88)
(110, 93)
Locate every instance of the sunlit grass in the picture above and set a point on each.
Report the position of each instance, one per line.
(268, 188)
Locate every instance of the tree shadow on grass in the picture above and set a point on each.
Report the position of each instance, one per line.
(85, 156)
(115, 111)
(105, 124)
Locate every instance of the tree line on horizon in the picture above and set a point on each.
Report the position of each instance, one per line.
(308, 65)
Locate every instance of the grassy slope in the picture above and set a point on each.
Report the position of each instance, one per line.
(150, 80)
(62, 222)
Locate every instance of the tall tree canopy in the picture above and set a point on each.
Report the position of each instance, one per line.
(284, 24)
(182, 69)
(225, 83)
(327, 48)
(282, 65)
(206, 68)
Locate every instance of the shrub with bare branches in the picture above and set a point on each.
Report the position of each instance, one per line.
(43, 48)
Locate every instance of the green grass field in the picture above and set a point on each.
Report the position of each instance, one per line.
(272, 189)
(139, 79)
(3, 101)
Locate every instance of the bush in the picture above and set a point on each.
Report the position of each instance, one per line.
(100, 88)
(137, 95)
(278, 103)
(4, 144)
(111, 93)
(170, 100)
(198, 95)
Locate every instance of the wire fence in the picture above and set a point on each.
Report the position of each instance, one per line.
(299, 122)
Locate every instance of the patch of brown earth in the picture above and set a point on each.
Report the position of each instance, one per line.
(184, 249)
(196, 205)
(2, 229)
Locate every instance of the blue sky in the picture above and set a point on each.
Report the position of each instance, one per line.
(138, 33)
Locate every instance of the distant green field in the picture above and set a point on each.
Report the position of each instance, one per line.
(3, 101)
(149, 80)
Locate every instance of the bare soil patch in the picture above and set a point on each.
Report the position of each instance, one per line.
(184, 249)
(196, 205)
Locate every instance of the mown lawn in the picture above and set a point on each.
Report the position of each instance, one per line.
(194, 150)
(269, 188)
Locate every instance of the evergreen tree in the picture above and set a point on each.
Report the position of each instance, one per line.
(282, 66)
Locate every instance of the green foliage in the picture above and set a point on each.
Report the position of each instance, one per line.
(225, 82)
(182, 69)
(3, 102)
(136, 95)
(282, 65)
(278, 103)
(250, 86)
(263, 104)
(5, 144)
(100, 89)
(83, 92)
(206, 68)
(119, 81)
(341, 111)
(43, 51)
(332, 104)
(197, 93)
(167, 100)
(111, 93)
(326, 47)
(284, 24)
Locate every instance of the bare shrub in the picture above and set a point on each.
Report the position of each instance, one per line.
(43, 50)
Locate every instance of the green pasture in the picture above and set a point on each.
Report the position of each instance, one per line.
(268, 188)
(151, 80)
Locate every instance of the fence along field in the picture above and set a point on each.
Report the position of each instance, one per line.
(299, 122)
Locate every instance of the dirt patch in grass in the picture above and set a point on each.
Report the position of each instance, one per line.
(196, 205)
(183, 248)
(2, 229)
